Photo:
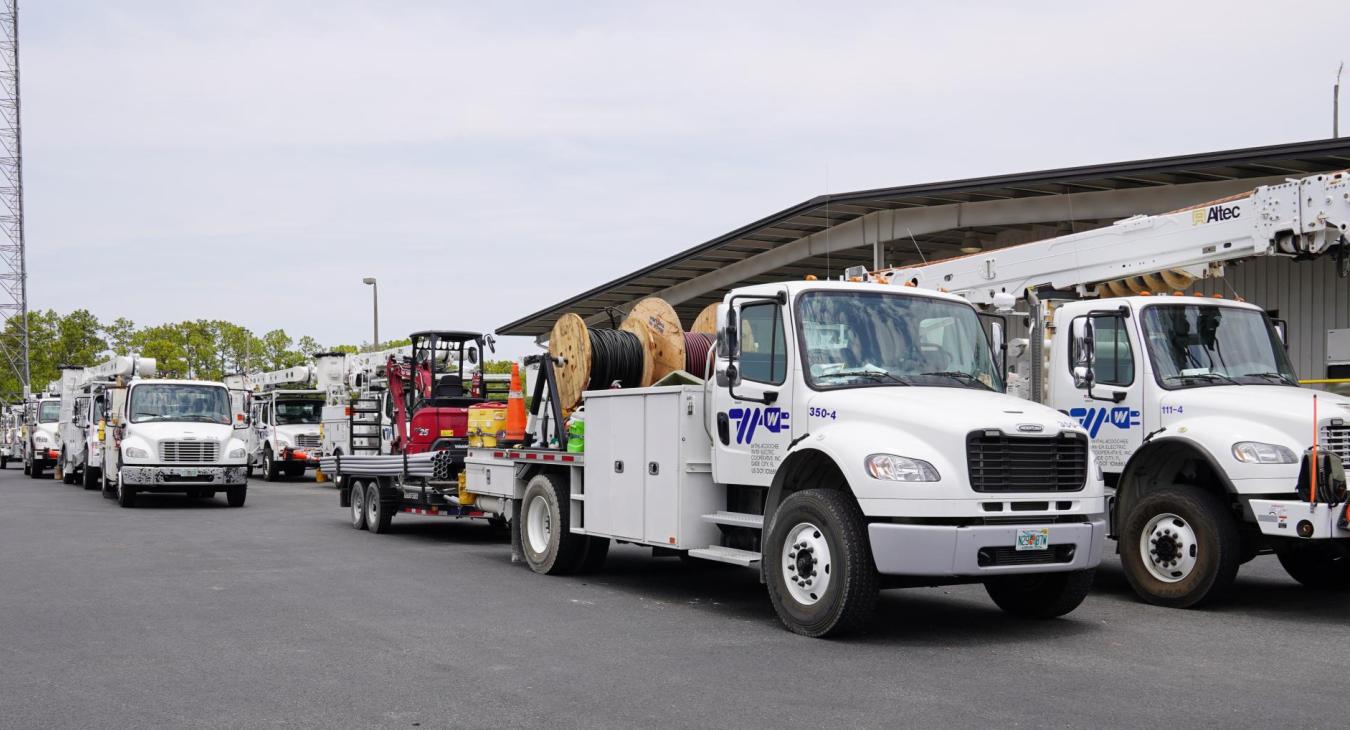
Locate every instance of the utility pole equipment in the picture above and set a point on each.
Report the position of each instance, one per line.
(13, 262)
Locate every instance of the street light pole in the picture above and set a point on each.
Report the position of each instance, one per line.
(375, 300)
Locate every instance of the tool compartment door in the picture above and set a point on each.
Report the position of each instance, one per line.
(661, 467)
(615, 468)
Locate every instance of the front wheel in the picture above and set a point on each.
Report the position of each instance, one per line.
(235, 496)
(90, 477)
(818, 566)
(1040, 595)
(35, 471)
(271, 469)
(126, 496)
(1323, 565)
(1180, 547)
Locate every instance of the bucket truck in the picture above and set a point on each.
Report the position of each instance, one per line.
(286, 407)
(41, 443)
(1212, 451)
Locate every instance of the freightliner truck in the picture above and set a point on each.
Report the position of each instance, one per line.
(1213, 453)
(858, 440)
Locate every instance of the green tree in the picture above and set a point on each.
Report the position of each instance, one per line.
(167, 344)
(277, 351)
(119, 333)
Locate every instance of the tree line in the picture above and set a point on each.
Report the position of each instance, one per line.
(205, 349)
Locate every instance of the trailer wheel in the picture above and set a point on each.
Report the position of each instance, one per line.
(379, 514)
(126, 496)
(90, 477)
(357, 499)
(545, 535)
(1324, 565)
(271, 469)
(818, 566)
(235, 496)
(1179, 547)
(1040, 595)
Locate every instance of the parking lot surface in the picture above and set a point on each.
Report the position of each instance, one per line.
(184, 613)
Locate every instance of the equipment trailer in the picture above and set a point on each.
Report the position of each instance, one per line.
(1212, 452)
(830, 450)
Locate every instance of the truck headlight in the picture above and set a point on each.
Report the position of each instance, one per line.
(134, 453)
(1255, 452)
(900, 468)
(236, 454)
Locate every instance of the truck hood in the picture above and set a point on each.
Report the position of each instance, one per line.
(944, 412)
(1281, 408)
(149, 436)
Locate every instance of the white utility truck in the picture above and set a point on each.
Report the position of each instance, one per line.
(41, 443)
(11, 428)
(358, 415)
(1195, 413)
(174, 436)
(853, 437)
(82, 406)
(286, 407)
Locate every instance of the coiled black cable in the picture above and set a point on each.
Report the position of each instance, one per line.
(616, 356)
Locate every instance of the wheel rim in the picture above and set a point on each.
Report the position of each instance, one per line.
(1169, 548)
(538, 526)
(805, 565)
(372, 508)
(358, 504)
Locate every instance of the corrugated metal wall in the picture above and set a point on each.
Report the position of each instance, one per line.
(1307, 294)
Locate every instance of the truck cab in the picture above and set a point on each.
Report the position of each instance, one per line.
(42, 442)
(1205, 436)
(174, 436)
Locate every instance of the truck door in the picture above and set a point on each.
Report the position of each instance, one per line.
(751, 435)
(1112, 409)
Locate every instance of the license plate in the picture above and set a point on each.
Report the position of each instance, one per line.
(1033, 539)
(187, 472)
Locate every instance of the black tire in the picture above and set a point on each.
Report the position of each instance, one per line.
(4, 462)
(546, 539)
(90, 478)
(67, 476)
(27, 467)
(1040, 595)
(35, 471)
(235, 496)
(379, 512)
(1321, 564)
(1216, 547)
(593, 553)
(271, 469)
(357, 501)
(126, 496)
(828, 518)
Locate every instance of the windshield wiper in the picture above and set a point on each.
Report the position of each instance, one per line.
(1276, 376)
(1203, 376)
(879, 376)
(958, 375)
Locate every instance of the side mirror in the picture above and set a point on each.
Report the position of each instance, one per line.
(472, 354)
(1085, 346)
(729, 340)
(1281, 331)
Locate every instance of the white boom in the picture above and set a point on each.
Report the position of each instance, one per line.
(121, 366)
(1157, 253)
(298, 375)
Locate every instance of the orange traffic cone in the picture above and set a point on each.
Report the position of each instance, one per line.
(515, 408)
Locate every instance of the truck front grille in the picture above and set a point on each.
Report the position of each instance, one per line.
(196, 452)
(1001, 463)
(306, 441)
(1336, 439)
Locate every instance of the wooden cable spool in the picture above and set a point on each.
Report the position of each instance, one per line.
(569, 344)
(665, 344)
(706, 322)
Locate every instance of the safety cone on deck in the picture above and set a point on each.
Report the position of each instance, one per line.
(515, 408)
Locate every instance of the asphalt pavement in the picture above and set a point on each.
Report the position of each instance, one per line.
(183, 613)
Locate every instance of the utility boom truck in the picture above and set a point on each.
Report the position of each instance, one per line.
(169, 436)
(82, 409)
(1212, 452)
(41, 440)
(287, 407)
(852, 437)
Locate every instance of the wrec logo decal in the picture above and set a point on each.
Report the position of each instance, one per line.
(774, 420)
(1121, 417)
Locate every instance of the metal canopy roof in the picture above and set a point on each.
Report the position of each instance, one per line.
(829, 233)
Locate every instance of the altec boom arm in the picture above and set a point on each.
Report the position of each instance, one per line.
(1300, 218)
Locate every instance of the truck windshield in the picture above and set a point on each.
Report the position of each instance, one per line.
(49, 411)
(860, 339)
(293, 412)
(175, 402)
(1195, 345)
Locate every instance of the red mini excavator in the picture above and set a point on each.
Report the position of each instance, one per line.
(432, 391)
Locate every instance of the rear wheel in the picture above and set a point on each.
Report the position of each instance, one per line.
(378, 514)
(818, 566)
(1180, 547)
(1323, 565)
(1040, 595)
(357, 500)
(545, 531)
(594, 552)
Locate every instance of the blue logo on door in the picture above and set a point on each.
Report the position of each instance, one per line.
(749, 420)
(1122, 417)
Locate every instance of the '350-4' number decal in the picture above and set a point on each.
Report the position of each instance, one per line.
(824, 413)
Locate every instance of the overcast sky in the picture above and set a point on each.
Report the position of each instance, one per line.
(252, 161)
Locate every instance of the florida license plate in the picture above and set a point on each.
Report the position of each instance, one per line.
(1033, 539)
(187, 472)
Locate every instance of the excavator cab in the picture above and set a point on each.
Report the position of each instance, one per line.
(443, 361)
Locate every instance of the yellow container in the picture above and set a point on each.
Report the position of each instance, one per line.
(487, 421)
(465, 499)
